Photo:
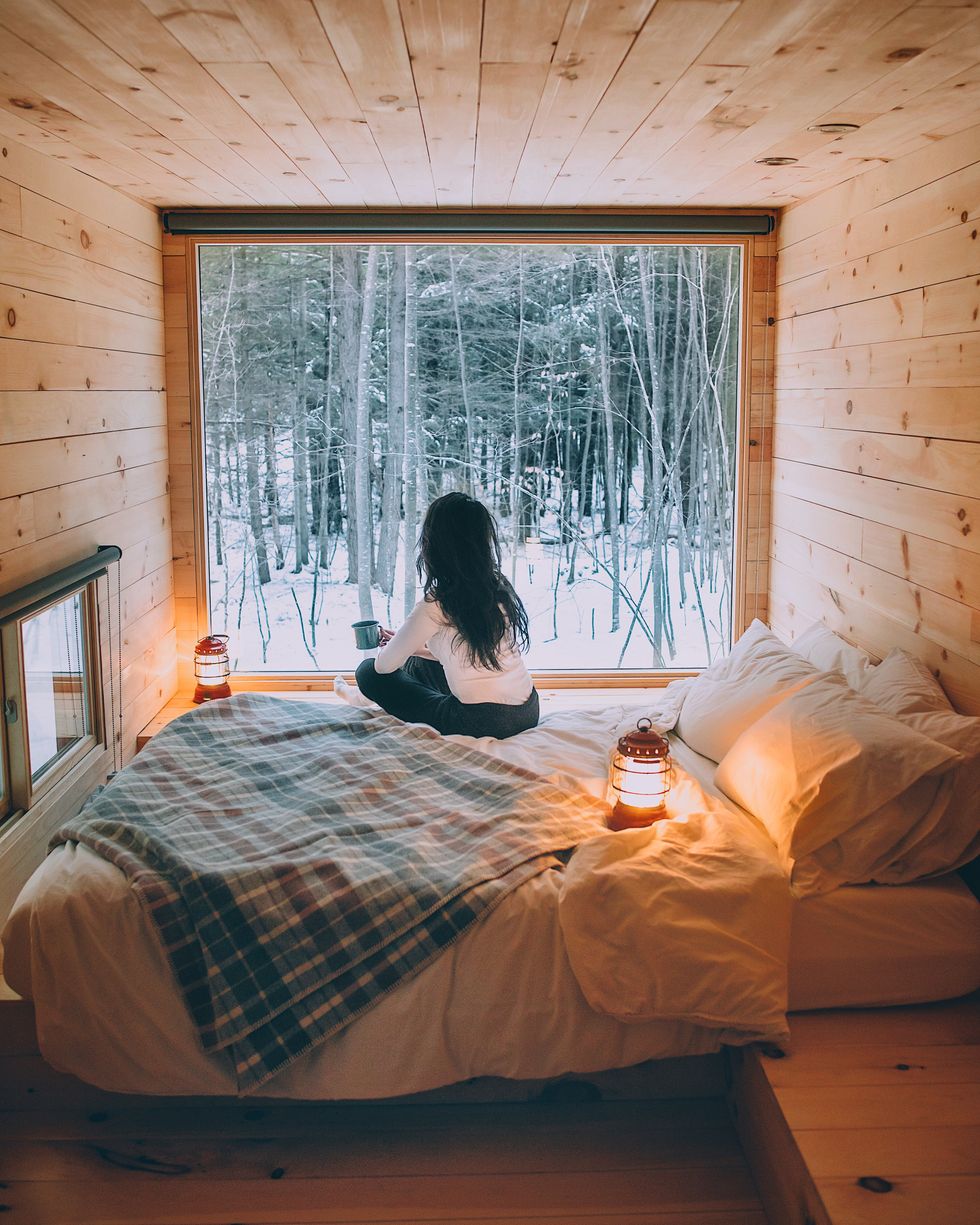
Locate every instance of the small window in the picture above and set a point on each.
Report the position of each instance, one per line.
(4, 778)
(50, 687)
(56, 704)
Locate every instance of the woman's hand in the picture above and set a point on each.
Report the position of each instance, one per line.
(384, 635)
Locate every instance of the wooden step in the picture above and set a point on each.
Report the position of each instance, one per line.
(870, 1118)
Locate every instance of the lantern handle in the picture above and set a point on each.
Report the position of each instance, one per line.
(640, 722)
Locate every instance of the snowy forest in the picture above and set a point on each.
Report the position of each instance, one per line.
(586, 393)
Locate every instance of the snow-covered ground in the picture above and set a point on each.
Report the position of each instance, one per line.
(570, 624)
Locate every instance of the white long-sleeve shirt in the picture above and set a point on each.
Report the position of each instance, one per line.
(426, 632)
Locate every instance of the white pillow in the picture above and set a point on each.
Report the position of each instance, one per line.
(858, 855)
(905, 687)
(721, 703)
(828, 652)
(817, 764)
(948, 834)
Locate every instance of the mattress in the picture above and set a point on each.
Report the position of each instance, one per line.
(503, 1001)
(881, 945)
(871, 946)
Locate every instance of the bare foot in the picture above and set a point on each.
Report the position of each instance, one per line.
(349, 693)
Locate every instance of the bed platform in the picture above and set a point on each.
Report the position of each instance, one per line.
(80, 945)
(874, 1116)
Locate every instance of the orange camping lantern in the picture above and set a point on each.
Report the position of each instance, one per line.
(640, 777)
(212, 668)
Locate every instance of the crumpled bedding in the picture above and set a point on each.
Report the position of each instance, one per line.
(653, 943)
(687, 920)
(291, 873)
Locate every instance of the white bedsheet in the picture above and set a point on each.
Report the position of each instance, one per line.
(874, 946)
(503, 1001)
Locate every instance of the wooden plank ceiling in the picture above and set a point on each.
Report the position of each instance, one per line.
(537, 103)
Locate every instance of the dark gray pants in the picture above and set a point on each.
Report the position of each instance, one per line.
(419, 693)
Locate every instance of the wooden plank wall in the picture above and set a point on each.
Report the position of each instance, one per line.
(876, 468)
(178, 319)
(754, 552)
(83, 427)
(754, 557)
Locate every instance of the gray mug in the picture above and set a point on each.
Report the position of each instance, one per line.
(367, 634)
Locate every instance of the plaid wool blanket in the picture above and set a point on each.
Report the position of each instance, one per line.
(298, 861)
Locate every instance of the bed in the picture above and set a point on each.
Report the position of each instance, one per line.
(502, 1001)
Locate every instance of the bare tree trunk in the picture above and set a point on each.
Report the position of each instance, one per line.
(678, 401)
(347, 366)
(470, 460)
(233, 467)
(252, 490)
(609, 470)
(301, 446)
(567, 478)
(515, 475)
(725, 394)
(655, 465)
(584, 488)
(214, 428)
(362, 438)
(394, 458)
(272, 488)
(326, 460)
(411, 428)
(565, 525)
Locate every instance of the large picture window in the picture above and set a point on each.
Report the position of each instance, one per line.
(587, 393)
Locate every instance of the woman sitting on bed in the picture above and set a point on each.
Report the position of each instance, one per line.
(456, 662)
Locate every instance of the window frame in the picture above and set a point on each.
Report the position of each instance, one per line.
(6, 797)
(22, 791)
(543, 678)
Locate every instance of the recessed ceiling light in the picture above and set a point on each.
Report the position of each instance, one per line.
(834, 129)
(776, 161)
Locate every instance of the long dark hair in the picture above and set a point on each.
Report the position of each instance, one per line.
(459, 567)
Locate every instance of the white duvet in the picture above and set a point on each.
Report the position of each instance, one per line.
(653, 943)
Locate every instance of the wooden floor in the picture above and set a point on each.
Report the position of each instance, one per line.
(71, 1154)
(153, 1162)
(873, 1118)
